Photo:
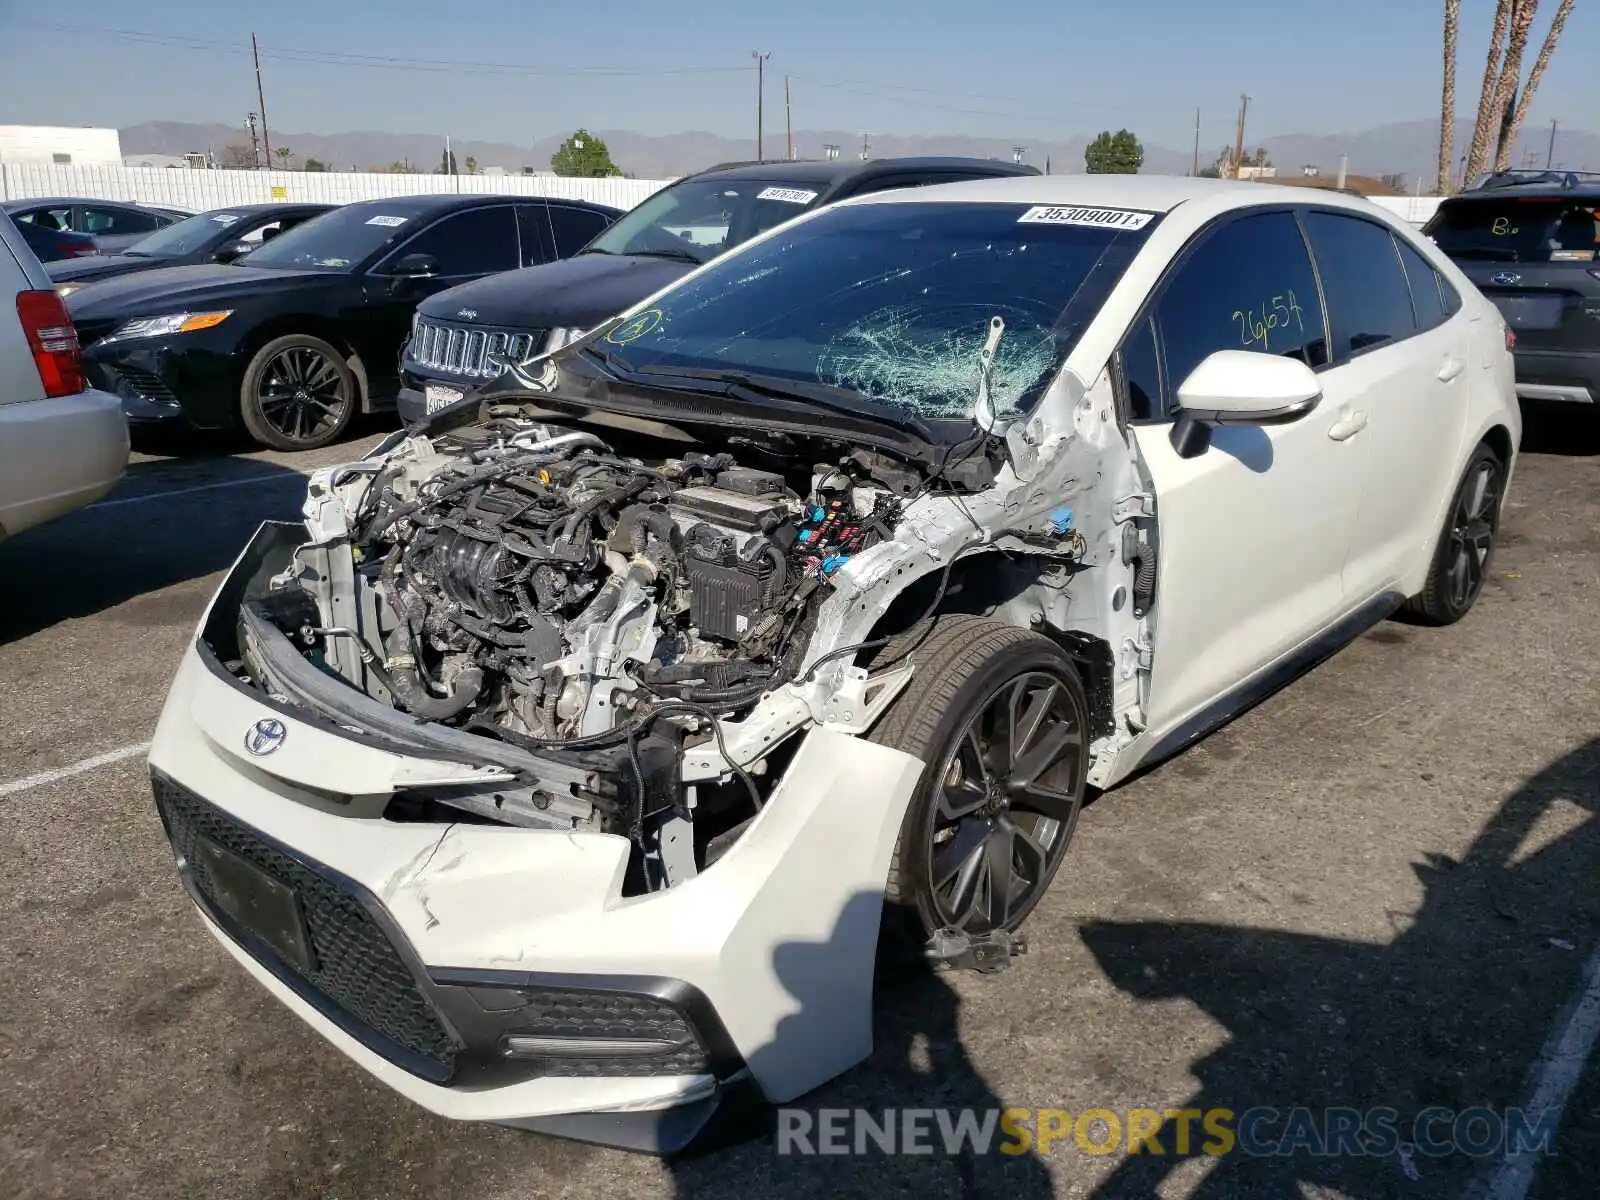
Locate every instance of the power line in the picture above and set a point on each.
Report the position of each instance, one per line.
(349, 59)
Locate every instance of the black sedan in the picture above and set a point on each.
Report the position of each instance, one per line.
(213, 237)
(295, 337)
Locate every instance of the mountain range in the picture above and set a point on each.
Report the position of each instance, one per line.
(1406, 148)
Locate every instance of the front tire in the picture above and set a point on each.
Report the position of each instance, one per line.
(298, 393)
(1461, 560)
(1000, 717)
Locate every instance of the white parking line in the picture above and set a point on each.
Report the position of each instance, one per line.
(203, 487)
(77, 768)
(1554, 1075)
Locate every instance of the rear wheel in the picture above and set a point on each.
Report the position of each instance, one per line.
(1460, 564)
(1000, 717)
(298, 393)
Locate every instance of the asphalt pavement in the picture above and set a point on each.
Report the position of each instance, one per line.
(1376, 889)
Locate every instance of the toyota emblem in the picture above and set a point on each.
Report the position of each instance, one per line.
(265, 736)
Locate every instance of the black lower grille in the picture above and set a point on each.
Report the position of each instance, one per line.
(357, 971)
(145, 385)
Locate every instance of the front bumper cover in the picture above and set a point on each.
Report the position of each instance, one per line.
(766, 958)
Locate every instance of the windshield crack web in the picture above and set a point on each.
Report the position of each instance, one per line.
(885, 358)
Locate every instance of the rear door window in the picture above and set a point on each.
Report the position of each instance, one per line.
(574, 228)
(1247, 286)
(1369, 301)
(117, 222)
(1518, 229)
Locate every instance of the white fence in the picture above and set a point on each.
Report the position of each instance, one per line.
(202, 190)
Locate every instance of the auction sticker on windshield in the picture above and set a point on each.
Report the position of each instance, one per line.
(787, 195)
(1097, 218)
(392, 221)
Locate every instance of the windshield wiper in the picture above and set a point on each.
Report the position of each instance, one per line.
(675, 255)
(815, 395)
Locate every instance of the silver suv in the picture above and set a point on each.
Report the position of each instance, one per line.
(62, 443)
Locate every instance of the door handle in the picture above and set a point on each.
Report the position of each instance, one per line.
(1347, 426)
(1452, 367)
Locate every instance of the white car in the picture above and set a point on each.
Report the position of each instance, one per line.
(62, 443)
(571, 762)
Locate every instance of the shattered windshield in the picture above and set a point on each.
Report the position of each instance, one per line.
(895, 302)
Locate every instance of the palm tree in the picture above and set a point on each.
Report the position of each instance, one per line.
(1522, 13)
(1479, 150)
(1539, 64)
(283, 154)
(1447, 102)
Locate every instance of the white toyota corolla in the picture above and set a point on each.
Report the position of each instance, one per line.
(573, 760)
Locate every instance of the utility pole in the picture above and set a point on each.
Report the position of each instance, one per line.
(866, 146)
(1238, 138)
(261, 99)
(761, 63)
(1195, 168)
(788, 118)
(255, 141)
(1550, 151)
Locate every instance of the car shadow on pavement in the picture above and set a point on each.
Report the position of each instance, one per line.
(135, 543)
(918, 1062)
(1552, 428)
(1450, 1013)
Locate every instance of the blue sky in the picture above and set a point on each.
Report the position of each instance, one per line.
(895, 66)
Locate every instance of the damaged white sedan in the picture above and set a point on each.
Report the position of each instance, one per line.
(573, 760)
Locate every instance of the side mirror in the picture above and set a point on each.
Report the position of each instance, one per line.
(415, 266)
(1241, 387)
(232, 250)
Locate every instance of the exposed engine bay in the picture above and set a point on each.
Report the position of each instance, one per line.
(530, 584)
(545, 586)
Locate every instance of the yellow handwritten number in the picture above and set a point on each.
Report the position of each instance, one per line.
(1279, 313)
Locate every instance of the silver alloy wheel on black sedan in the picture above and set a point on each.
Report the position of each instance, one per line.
(298, 393)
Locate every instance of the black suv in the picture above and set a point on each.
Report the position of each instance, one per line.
(462, 338)
(1534, 250)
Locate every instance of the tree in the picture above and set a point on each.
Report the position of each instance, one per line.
(447, 163)
(1502, 104)
(237, 157)
(1520, 114)
(1114, 154)
(1447, 99)
(283, 154)
(583, 156)
(472, 165)
(314, 164)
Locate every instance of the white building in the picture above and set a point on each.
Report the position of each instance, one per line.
(60, 145)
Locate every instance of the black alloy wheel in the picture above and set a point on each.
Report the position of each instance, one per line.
(1007, 796)
(1460, 566)
(299, 393)
(1000, 717)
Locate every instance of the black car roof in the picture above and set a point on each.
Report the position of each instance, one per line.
(1527, 191)
(447, 202)
(836, 172)
(33, 201)
(252, 210)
